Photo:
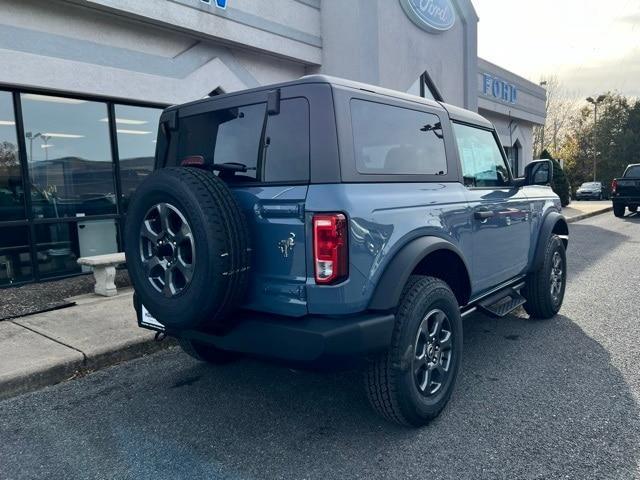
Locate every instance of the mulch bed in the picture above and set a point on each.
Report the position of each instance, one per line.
(38, 297)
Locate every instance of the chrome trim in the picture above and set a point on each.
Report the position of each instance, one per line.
(468, 312)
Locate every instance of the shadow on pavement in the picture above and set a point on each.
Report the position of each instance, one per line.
(595, 243)
(534, 400)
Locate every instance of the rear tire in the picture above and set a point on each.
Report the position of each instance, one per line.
(544, 289)
(207, 353)
(412, 382)
(187, 248)
(633, 208)
(618, 210)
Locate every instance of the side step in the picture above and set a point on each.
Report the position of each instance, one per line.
(502, 303)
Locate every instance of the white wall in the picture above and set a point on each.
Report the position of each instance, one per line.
(374, 41)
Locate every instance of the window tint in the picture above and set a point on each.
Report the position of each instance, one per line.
(633, 172)
(224, 136)
(234, 136)
(137, 129)
(11, 190)
(15, 255)
(287, 153)
(69, 155)
(482, 161)
(394, 140)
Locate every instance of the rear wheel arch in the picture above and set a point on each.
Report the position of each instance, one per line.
(431, 256)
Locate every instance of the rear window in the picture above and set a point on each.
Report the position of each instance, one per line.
(633, 172)
(274, 148)
(393, 140)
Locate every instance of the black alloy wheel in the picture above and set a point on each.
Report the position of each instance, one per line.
(167, 249)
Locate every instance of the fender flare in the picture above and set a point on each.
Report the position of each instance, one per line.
(390, 285)
(548, 225)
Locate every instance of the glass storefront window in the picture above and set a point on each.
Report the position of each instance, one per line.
(69, 155)
(15, 256)
(60, 245)
(137, 129)
(11, 186)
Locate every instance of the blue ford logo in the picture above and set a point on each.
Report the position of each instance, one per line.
(434, 16)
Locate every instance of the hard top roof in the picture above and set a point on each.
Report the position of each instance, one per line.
(456, 113)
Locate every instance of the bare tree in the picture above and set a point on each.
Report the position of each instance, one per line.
(560, 107)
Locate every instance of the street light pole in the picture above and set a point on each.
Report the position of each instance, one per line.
(595, 103)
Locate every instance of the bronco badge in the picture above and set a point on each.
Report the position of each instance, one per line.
(287, 245)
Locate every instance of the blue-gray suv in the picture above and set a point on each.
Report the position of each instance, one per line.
(322, 220)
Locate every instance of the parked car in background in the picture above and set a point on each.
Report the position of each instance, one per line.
(625, 191)
(324, 219)
(590, 191)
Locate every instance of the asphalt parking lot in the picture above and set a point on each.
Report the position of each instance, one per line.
(535, 400)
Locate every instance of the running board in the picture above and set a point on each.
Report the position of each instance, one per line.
(502, 303)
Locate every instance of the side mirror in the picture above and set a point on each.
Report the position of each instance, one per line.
(539, 172)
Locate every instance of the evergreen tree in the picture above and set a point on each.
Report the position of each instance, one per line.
(560, 183)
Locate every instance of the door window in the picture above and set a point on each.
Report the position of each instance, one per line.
(482, 162)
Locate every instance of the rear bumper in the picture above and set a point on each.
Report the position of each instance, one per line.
(306, 339)
(626, 200)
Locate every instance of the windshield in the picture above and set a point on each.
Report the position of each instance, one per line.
(591, 185)
(633, 171)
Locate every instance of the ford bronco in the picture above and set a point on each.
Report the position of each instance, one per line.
(326, 220)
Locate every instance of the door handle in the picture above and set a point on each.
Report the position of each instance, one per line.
(483, 214)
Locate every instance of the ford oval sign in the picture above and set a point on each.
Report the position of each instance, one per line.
(434, 16)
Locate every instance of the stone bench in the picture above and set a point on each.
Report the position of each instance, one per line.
(104, 271)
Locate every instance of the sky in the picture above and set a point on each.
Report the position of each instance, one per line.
(592, 46)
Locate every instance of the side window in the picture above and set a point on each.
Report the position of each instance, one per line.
(286, 157)
(482, 161)
(396, 141)
(280, 153)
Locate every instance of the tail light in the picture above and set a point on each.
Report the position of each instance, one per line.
(614, 185)
(330, 249)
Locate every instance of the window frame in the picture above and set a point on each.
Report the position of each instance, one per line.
(348, 167)
(30, 221)
(245, 100)
(505, 161)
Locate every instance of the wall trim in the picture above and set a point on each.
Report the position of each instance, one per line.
(66, 48)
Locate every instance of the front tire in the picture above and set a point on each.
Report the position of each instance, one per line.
(618, 210)
(544, 289)
(412, 382)
(633, 208)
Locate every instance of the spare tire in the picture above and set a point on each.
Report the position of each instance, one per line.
(187, 248)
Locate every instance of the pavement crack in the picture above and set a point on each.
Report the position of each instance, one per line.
(84, 356)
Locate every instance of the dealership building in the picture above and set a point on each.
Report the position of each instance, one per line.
(83, 83)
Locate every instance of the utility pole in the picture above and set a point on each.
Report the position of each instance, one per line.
(595, 103)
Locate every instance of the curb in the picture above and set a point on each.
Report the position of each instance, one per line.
(68, 370)
(577, 218)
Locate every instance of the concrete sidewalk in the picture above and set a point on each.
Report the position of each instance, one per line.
(50, 347)
(584, 209)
